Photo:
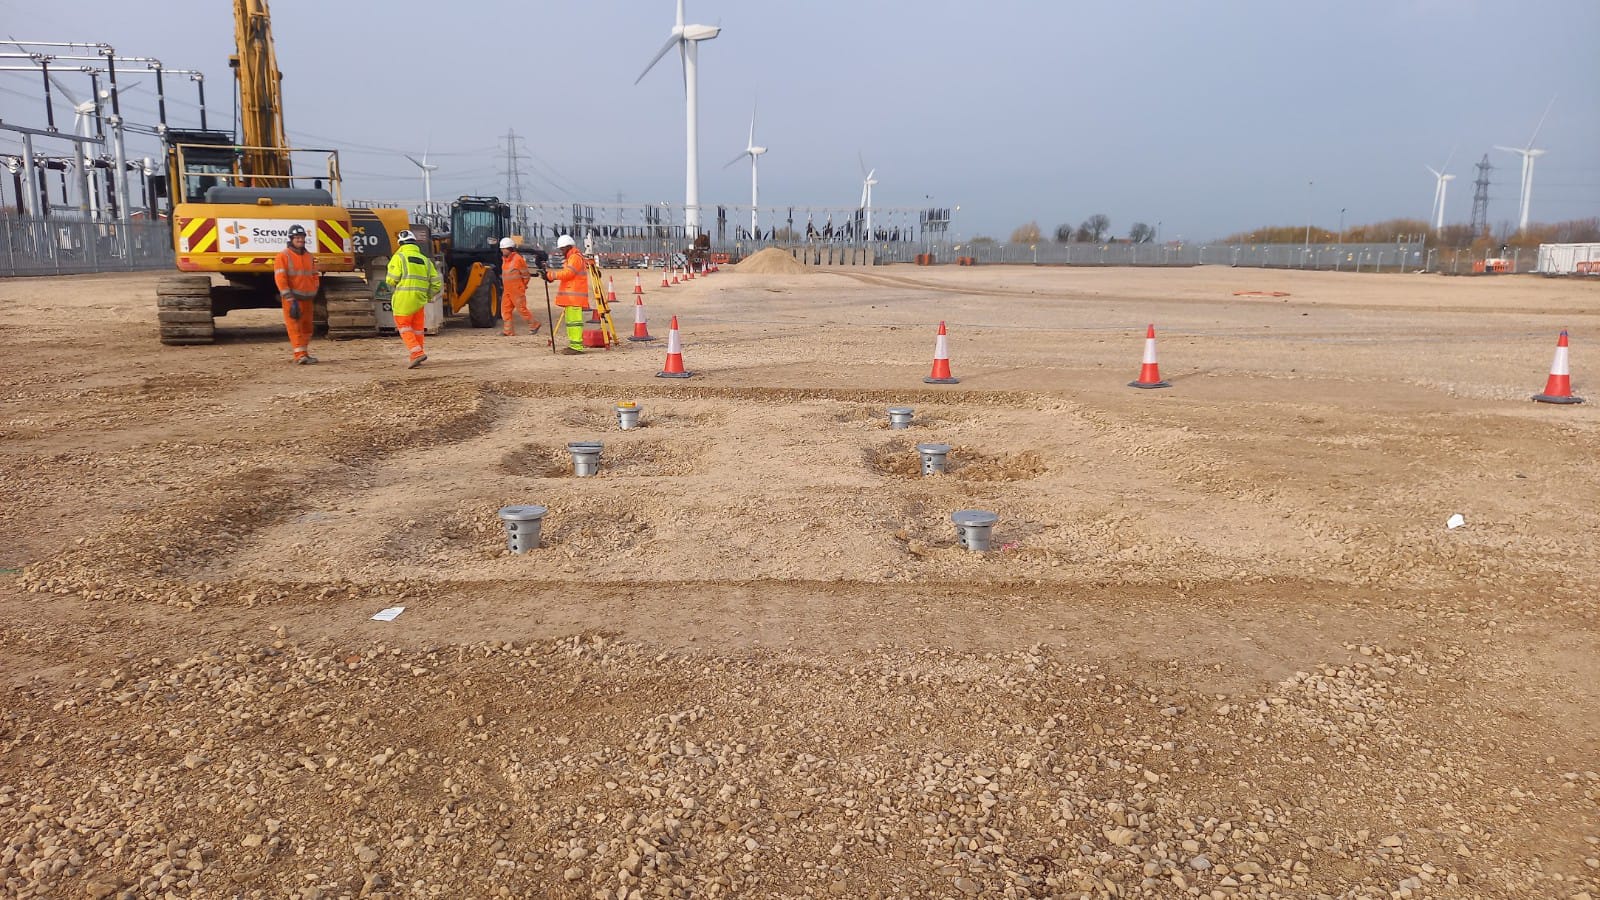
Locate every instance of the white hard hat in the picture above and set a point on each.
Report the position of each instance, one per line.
(565, 241)
(406, 236)
(507, 243)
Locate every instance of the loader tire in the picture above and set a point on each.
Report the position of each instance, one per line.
(480, 308)
(350, 312)
(183, 310)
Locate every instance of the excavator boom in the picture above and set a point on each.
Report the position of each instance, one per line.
(266, 158)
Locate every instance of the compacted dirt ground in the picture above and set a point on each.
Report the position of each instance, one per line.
(1225, 644)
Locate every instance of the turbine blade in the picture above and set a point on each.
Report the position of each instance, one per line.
(863, 164)
(413, 160)
(1541, 122)
(752, 141)
(675, 40)
(1430, 169)
(1446, 166)
(51, 75)
(737, 158)
(680, 15)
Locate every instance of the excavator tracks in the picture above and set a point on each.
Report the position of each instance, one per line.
(350, 311)
(183, 309)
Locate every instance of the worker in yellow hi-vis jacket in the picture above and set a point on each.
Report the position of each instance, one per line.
(414, 280)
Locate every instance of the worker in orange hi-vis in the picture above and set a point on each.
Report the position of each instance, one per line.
(572, 293)
(514, 280)
(295, 272)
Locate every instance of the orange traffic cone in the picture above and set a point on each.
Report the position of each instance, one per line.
(664, 277)
(638, 286)
(941, 360)
(641, 331)
(1149, 372)
(1558, 389)
(674, 276)
(674, 367)
(611, 289)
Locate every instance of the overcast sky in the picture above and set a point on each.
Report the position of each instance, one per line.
(1208, 117)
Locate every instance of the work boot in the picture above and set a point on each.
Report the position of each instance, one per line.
(533, 327)
(571, 351)
(416, 362)
(508, 332)
(302, 360)
(308, 360)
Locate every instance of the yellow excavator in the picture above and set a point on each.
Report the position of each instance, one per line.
(232, 204)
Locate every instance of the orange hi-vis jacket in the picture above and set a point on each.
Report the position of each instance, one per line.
(296, 275)
(514, 276)
(574, 278)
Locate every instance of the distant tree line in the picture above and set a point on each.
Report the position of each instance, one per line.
(1094, 230)
(1097, 230)
(1457, 237)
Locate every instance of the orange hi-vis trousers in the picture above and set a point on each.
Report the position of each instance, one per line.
(512, 302)
(411, 331)
(299, 329)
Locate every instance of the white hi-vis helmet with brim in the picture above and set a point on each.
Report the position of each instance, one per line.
(507, 243)
(565, 241)
(406, 237)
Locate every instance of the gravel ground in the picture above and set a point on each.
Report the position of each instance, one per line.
(1226, 646)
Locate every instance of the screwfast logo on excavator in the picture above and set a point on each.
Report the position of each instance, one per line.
(261, 235)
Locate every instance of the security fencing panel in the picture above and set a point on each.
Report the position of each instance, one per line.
(31, 245)
(1346, 257)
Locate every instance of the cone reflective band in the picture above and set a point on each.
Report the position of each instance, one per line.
(638, 286)
(641, 332)
(941, 361)
(1149, 372)
(664, 282)
(1558, 387)
(674, 367)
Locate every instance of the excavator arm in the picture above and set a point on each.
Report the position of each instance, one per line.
(266, 156)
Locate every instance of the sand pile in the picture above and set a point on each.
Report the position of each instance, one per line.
(771, 261)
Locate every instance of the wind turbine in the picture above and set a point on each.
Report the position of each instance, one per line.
(1528, 155)
(1441, 182)
(687, 39)
(754, 152)
(867, 181)
(427, 178)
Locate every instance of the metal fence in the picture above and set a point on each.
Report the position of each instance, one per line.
(1341, 257)
(61, 246)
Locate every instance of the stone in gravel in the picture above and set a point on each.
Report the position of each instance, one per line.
(1120, 837)
(1199, 863)
(967, 886)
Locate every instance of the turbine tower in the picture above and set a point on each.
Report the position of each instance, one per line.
(427, 178)
(754, 152)
(1528, 155)
(867, 181)
(687, 39)
(1441, 182)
